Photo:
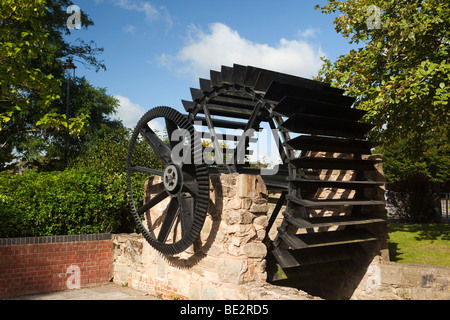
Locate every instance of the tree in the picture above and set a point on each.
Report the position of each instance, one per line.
(46, 148)
(400, 73)
(109, 153)
(32, 53)
(414, 199)
(23, 39)
(400, 163)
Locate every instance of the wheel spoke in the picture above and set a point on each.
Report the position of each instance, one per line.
(171, 127)
(153, 201)
(189, 183)
(186, 213)
(169, 219)
(157, 145)
(147, 170)
(191, 187)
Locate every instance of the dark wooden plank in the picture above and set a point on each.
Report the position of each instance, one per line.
(352, 185)
(278, 180)
(222, 123)
(205, 85)
(233, 102)
(239, 74)
(311, 143)
(289, 106)
(312, 256)
(226, 111)
(285, 258)
(334, 163)
(324, 239)
(291, 240)
(297, 222)
(277, 91)
(332, 202)
(266, 77)
(331, 221)
(251, 75)
(227, 75)
(188, 105)
(302, 123)
(196, 94)
(333, 238)
(216, 78)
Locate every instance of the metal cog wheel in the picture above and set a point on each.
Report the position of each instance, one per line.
(185, 181)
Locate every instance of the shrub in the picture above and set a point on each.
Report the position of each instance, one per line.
(64, 202)
(414, 199)
(109, 154)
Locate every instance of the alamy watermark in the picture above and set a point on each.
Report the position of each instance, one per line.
(74, 21)
(74, 279)
(374, 19)
(212, 152)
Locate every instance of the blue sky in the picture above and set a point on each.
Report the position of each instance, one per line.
(156, 50)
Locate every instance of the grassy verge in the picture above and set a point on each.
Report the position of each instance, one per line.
(420, 243)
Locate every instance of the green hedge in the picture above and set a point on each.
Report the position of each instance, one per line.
(63, 202)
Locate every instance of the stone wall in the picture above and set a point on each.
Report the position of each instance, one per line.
(230, 251)
(396, 281)
(382, 280)
(228, 261)
(138, 266)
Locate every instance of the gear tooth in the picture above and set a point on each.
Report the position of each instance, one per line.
(202, 199)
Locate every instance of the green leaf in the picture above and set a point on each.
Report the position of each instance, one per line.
(401, 74)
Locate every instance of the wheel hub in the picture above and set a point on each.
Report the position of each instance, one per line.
(172, 179)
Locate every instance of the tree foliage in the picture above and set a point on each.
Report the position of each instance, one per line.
(400, 72)
(23, 38)
(32, 79)
(414, 199)
(108, 153)
(401, 161)
(46, 148)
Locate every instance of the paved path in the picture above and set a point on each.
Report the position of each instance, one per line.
(106, 292)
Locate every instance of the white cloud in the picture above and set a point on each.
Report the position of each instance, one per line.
(151, 12)
(129, 112)
(165, 16)
(129, 29)
(308, 32)
(223, 46)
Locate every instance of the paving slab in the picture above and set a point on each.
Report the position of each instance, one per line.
(110, 291)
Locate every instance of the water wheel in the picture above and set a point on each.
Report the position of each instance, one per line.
(316, 131)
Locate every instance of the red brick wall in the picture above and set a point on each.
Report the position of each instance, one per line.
(45, 264)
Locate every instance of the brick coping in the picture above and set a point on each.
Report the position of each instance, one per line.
(55, 239)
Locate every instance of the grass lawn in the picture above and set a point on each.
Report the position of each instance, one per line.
(420, 243)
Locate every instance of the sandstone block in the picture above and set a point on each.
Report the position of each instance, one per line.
(234, 204)
(246, 203)
(231, 271)
(255, 250)
(209, 293)
(261, 221)
(238, 217)
(259, 208)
